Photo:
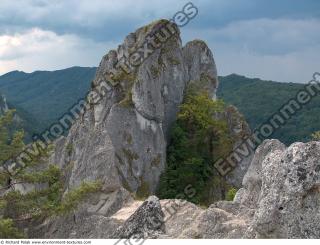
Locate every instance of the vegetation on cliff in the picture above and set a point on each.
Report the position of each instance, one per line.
(316, 135)
(45, 187)
(198, 139)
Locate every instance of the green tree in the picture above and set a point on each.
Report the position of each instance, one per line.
(197, 139)
(45, 197)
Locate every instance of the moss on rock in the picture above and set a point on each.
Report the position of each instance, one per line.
(143, 190)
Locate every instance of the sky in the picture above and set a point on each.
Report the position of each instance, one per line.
(273, 40)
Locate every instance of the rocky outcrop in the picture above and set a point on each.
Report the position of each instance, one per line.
(190, 221)
(280, 199)
(146, 222)
(202, 71)
(239, 130)
(122, 138)
(17, 121)
(93, 219)
(284, 188)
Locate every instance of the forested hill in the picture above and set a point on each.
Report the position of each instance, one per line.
(258, 100)
(42, 97)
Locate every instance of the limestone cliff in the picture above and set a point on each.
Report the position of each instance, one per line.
(122, 138)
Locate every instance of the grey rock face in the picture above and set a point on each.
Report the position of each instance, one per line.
(93, 219)
(289, 196)
(122, 138)
(146, 222)
(280, 199)
(201, 67)
(239, 130)
(141, 148)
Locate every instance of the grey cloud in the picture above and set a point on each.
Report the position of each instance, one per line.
(264, 36)
(102, 20)
(248, 37)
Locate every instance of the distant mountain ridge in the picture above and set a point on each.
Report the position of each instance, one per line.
(42, 97)
(258, 100)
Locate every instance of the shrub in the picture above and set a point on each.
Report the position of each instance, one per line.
(7, 230)
(316, 135)
(231, 194)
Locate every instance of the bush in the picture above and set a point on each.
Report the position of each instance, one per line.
(7, 230)
(316, 136)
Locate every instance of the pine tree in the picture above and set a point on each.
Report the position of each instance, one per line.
(45, 197)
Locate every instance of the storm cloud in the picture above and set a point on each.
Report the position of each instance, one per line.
(276, 40)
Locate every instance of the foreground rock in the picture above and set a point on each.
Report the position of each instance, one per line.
(146, 222)
(92, 220)
(283, 185)
(280, 198)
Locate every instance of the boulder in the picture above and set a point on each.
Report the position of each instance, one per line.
(146, 222)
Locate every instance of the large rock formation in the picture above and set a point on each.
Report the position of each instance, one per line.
(280, 198)
(122, 138)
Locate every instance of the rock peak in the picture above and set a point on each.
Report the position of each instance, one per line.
(121, 138)
(126, 131)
